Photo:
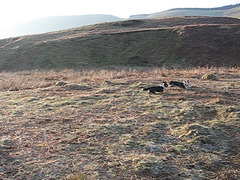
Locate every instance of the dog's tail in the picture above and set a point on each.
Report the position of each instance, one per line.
(145, 89)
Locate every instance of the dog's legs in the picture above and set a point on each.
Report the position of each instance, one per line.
(151, 91)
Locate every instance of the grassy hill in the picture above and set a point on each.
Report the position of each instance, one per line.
(235, 12)
(169, 42)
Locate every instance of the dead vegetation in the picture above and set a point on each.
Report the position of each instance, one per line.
(99, 124)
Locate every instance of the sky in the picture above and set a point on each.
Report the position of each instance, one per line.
(14, 12)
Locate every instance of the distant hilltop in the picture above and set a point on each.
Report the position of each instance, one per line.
(50, 24)
(224, 11)
(217, 8)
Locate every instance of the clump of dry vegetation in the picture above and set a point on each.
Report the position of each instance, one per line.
(99, 124)
(210, 77)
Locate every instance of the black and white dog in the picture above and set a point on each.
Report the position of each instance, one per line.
(155, 89)
(185, 84)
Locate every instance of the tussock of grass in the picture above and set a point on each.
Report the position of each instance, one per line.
(78, 177)
(196, 133)
(154, 165)
(99, 124)
(210, 77)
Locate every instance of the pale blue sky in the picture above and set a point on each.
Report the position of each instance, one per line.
(18, 11)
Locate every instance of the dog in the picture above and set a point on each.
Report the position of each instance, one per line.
(185, 84)
(154, 89)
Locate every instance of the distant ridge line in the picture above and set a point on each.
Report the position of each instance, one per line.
(216, 8)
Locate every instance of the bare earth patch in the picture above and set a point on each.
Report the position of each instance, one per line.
(99, 124)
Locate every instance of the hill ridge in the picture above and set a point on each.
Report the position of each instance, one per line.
(216, 8)
(171, 42)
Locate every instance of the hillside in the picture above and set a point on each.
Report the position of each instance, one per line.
(170, 42)
(57, 23)
(224, 11)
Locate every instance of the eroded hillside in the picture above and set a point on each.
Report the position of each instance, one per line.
(169, 42)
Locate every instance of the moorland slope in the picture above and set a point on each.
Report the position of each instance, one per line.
(99, 124)
(170, 42)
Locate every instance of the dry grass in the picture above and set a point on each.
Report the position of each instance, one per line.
(101, 125)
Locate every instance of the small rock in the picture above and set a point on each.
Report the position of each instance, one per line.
(210, 77)
(109, 83)
(77, 87)
(60, 83)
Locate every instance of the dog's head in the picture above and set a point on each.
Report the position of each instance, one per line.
(164, 84)
(186, 83)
